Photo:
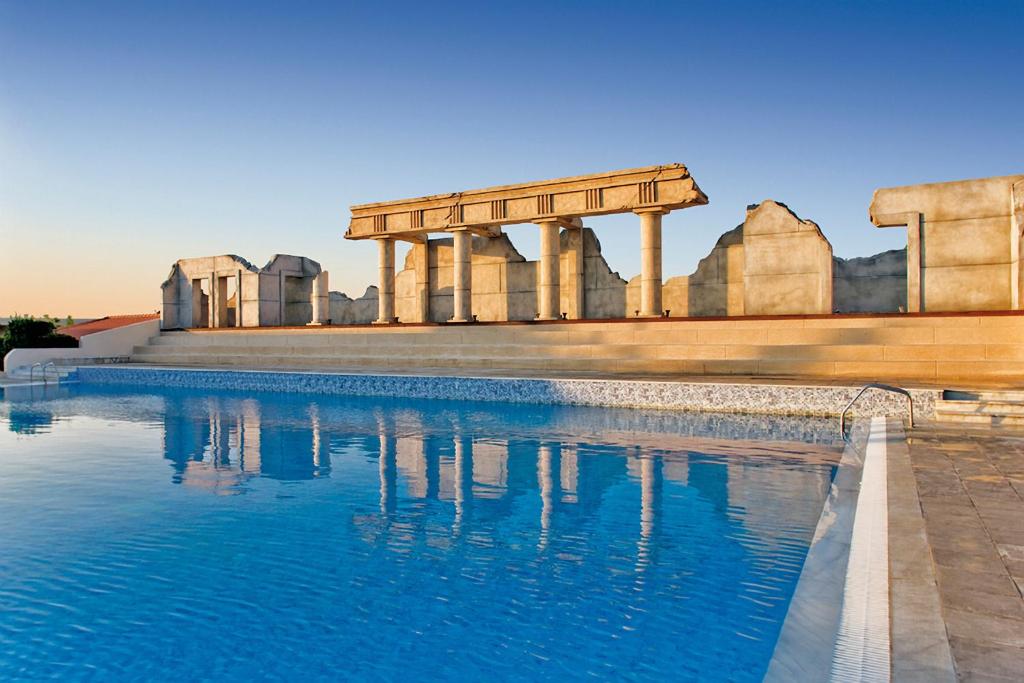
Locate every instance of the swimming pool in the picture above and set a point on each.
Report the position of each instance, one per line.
(183, 533)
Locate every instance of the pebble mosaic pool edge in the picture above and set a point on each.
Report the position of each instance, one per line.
(771, 399)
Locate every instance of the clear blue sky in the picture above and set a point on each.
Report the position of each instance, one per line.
(132, 134)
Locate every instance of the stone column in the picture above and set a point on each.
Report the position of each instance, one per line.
(462, 282)
(650, 263)
(320, 299)
(421, 268)
(547, 268)
(571, 283)
(386, 288)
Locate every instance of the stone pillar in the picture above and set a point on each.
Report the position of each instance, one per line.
(914, 263)
(171, 294)
(211, 303)
(196, 315)
(1016, 235)
(462, 282)
(571, 282)
(238, 299)
(281, 296)
(421, 268)
(320, 300)
(547, 287)
(650, 263)
(222, 301)
(386, 288)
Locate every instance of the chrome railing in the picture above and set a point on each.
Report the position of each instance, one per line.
(875, 385)
(43, 367)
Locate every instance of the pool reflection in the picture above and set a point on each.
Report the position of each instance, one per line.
(220, 443)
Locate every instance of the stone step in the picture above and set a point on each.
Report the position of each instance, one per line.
(999, 396)
(610, 352)
(979, 408)
(994, 420)
(413, 363)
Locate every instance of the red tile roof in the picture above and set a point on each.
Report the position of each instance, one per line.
(79, 330)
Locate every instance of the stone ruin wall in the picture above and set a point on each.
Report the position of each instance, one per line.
(963, 254)
(773, 263)
(213, 291)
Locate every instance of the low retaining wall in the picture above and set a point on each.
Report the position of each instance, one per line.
(116, 343)
(951, 350)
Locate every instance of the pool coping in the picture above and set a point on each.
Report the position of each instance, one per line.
(754, 398)
(908, 621)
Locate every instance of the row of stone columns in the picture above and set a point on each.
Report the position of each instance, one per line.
(548, 285)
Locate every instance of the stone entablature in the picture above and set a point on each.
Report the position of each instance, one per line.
(667, 187)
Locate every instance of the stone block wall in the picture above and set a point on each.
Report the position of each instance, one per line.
(787, 263)
(963, 242)
(872, 284)
(348, 311)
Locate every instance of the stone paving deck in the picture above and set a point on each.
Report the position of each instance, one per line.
(971, 486)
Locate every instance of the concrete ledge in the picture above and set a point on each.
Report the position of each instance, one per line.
(920, 646)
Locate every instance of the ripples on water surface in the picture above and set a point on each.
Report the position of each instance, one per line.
(177, 534)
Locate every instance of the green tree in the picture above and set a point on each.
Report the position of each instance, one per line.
(26, 332)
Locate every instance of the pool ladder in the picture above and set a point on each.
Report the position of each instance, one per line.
(43, 367)
(883, 387)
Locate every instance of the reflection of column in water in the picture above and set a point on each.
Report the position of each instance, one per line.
(569, 473)
(185, 437)
(432, 470)
(249, 437)
(321, 465)
(463, 480)
(546, 484)
(388, 475)
(650, 502)
(220, 438)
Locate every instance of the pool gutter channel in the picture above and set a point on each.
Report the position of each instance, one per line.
(866, 606)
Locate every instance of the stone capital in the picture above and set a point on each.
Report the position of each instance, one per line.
(660, 210)
(562, 221)
(482, 230)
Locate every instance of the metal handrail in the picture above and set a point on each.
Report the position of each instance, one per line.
(42, 369)
(875, 385)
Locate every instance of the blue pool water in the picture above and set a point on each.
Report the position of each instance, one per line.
(178, 534)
